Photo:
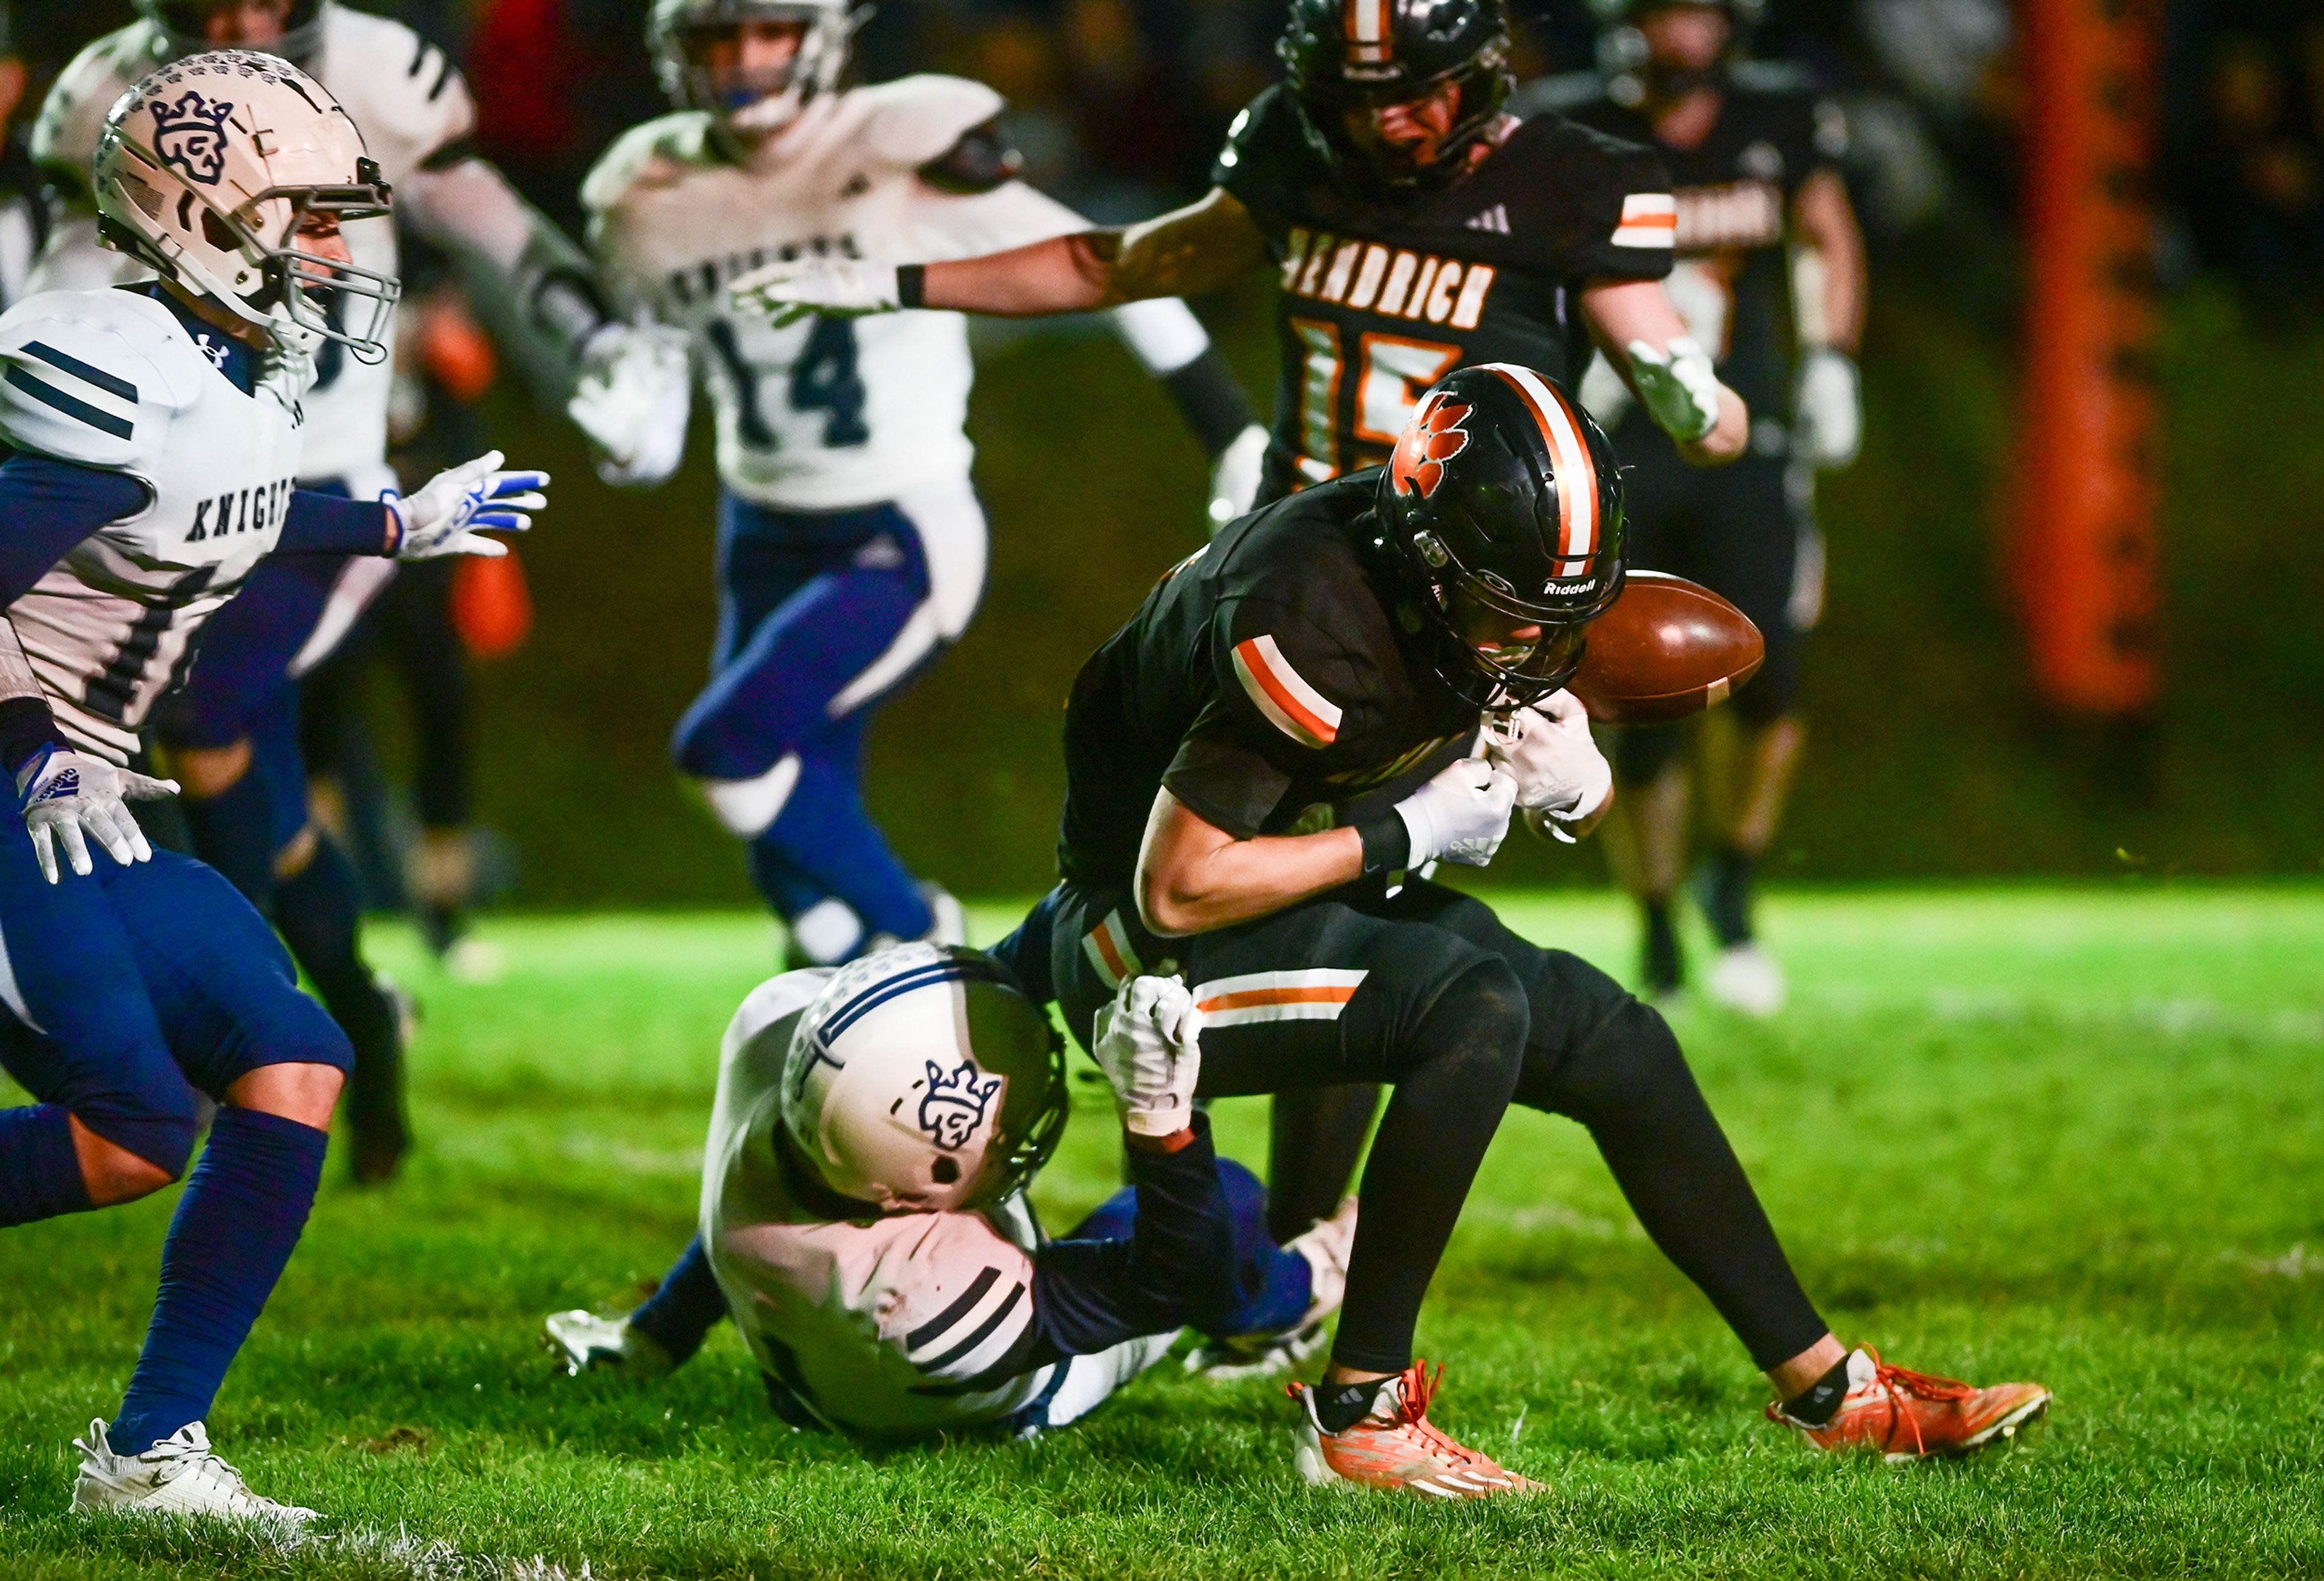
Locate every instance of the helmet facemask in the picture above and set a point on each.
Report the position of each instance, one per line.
(1458, 605)
(185, 29)
(747, 101)
(1334, 110)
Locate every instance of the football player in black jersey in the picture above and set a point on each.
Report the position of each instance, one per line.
(1418, 227)
(1341, 689)
(1770, 277)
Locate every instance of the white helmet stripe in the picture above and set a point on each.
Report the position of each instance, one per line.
(1569, 454)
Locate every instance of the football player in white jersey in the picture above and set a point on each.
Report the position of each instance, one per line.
(864, 1221)
(231, 733)
(851, 545)
(156, 432)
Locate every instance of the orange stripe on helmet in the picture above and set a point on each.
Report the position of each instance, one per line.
(1575, 469)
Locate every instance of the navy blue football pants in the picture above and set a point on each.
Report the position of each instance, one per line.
(131, 989)
(822, 615)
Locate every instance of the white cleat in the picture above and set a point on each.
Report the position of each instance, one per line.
(1325, 1243)
(179, 1476)
(582, 1340)
(1746, 979)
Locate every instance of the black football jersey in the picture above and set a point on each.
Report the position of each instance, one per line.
(1269, 680)
(1734, 191)
(1383, 296)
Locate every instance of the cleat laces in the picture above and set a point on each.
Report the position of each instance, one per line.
(1896, 1382)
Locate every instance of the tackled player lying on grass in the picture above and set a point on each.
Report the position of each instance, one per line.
(1342, 690)
(864, 1218)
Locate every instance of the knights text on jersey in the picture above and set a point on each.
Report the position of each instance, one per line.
(892, 1324)
(828, 413)
(1270, 682)
(1733, 193)
(113, 378)
(403, 94)
(1383, 298)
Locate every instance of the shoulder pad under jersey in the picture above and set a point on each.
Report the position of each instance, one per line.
(64, 137)
(912, 120)
(95, 376)
(1563, 94)
(647, 155)
(777, 999)
(406, 95)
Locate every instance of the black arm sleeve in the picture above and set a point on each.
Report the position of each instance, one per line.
(1177, 1268)
(1214, 404)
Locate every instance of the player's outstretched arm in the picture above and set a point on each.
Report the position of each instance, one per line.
(1198, 248)
(1647, 343)
(1829, 290)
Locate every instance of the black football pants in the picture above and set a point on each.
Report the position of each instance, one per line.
(1426, 991)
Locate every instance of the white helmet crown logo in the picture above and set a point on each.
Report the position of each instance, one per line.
(953, 1106)
(191, 136)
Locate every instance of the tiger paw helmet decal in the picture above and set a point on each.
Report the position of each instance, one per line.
(1432, 438)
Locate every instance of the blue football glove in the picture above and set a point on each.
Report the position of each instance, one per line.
(63, 792)
(450, 513)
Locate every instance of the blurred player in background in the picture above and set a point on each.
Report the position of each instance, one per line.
(24, 213)
(1770, 277)
(852, 546)
(156, 432)
(1419, 226)
(865, 1216)
(231, 732)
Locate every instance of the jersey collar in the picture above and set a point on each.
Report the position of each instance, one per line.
(228, 355)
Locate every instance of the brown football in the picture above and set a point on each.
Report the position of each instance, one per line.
(1667, 649)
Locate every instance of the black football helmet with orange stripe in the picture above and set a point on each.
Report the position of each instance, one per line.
(1502, 507)
(1346, 58)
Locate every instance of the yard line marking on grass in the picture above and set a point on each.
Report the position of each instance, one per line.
(435, 1560)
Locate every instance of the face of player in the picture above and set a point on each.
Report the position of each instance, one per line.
(228, 24)
(320, 234)
(1409, 134)
(1512, 643)
(1684, 39)
(746, 61)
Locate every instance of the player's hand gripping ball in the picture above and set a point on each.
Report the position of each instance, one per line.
(1668, 647)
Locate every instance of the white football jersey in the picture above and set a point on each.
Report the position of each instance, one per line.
(111, 379)
(876, 1324)
(402, 93)
(830, 413)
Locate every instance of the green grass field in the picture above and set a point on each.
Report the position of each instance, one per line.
(2074, 1135)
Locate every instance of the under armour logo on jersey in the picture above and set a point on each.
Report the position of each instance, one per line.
(953, 1106)
(1495, 218)
(1432, 438)
(191, 134)
(211, 349)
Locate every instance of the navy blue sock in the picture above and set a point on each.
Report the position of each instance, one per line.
(825, 832)
(244, 1208)
(234, 831)
(40, 1172)
(687, 1306)
(319, 910)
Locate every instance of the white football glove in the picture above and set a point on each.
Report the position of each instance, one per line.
(1548, 750)
(1831, 424)
(1460, 816)
(1148, 1045)
(843, 287)
(446, 516)
(633, 400)
(1235, 476)
(1678, 387)
(63, 792)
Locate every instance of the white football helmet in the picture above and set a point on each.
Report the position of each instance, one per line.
(922, 1079)
(208, 168)
(758, 103)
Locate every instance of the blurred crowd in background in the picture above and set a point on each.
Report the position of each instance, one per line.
(1118, 105)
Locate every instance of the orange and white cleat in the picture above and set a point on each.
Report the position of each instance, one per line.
(1393, 1447)
(1913, 1416)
